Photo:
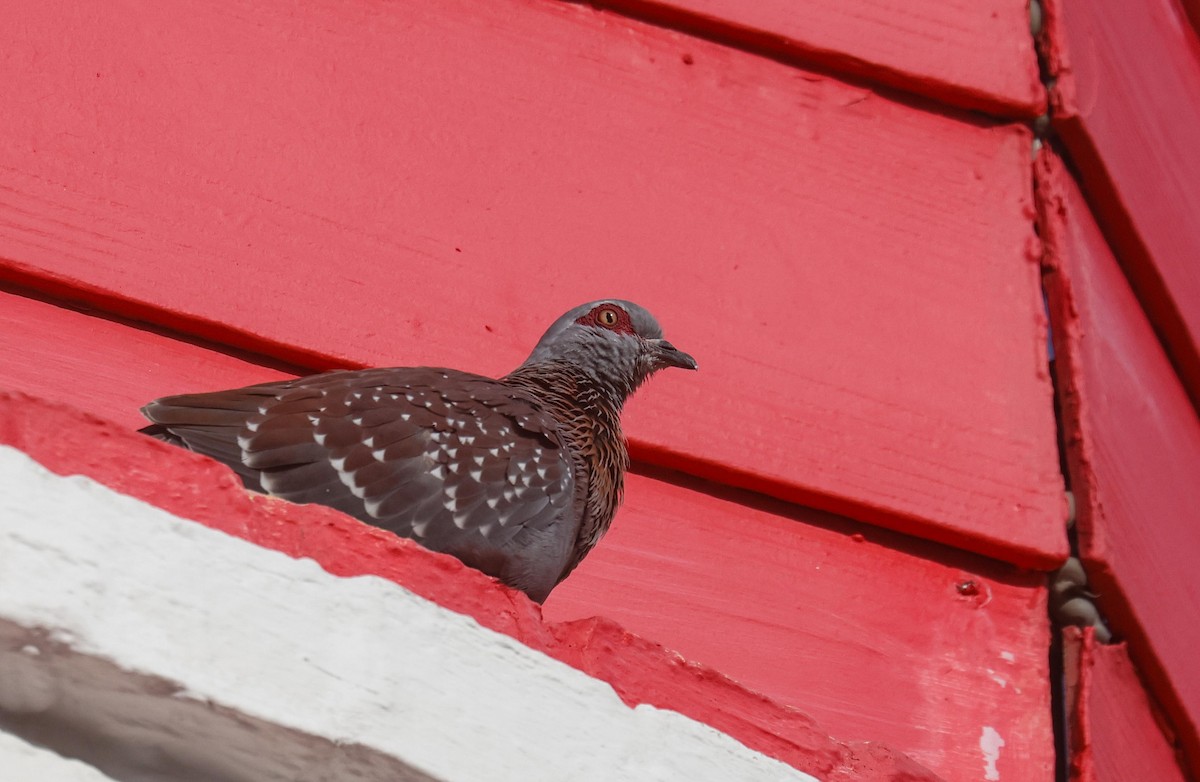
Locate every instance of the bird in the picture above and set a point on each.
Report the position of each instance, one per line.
(517, 476)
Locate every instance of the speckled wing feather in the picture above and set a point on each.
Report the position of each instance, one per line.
(463, 464)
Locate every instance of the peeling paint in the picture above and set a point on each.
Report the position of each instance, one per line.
(990, 741)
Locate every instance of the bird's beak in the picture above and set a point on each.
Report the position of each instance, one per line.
(668, 355)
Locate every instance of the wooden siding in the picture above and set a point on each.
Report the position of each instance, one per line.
(1127, 105)
(1116, 731)
(355, 183)
(977, 54)
(877, 636)
(1133, 449)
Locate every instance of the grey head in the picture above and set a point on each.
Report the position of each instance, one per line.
(617, 343)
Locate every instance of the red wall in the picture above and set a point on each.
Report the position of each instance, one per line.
(850, 509)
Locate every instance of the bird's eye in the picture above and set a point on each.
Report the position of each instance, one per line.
(607, 317)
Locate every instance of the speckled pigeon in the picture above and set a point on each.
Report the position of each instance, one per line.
(517, 477)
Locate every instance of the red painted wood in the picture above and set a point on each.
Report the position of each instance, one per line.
(104, 366)
(977, 54)
(71, 442)
(863, 629)
(1116, 733)
(356, 183)
(1133, 449)
(1127, 105)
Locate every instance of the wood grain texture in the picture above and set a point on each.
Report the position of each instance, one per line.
(106, 366)
(1127, 105)
(873, 634)
(68, 441)
(877, 636)
(349, 183)
(974, 54)
(1116, 732)
(1133, 449)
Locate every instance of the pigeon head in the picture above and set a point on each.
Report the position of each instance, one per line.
(617, 343)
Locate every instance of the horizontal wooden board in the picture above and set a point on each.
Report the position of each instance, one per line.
(1127, 104)
(71, 442)
(355, 183)
(105, 366)
(1116, 735)
(874, 634)
(877, 636)
(1133, 450)
(977, 54)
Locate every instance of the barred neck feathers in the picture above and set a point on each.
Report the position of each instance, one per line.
(616, 344)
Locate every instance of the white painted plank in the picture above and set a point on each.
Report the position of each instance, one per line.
(272, 663)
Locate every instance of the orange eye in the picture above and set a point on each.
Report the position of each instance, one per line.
(607, 317)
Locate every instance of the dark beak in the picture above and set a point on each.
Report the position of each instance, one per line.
(668, 355)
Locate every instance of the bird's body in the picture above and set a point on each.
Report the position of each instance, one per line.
(518, 477)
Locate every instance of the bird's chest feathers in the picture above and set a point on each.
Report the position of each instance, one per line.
(595, 428)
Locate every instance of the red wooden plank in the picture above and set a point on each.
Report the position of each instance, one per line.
(1127, 104)
(1133, 448)
(864, 629)
(1116, 732)
(977, 54)
(868, 631)
(71, 442)
(104, 366)
(409, 183)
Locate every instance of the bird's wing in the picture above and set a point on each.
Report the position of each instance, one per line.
(459, 462)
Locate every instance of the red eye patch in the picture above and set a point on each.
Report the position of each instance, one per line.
(608, 316)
